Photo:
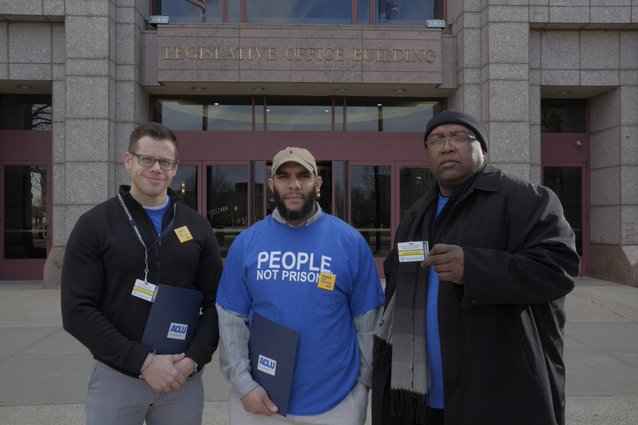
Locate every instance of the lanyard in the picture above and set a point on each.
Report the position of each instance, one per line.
(139, 235)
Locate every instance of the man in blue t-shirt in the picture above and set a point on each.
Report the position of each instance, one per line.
(313, 273)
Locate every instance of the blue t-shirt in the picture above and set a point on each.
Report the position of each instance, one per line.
(273, 269)
(156, 214)
(432, 338)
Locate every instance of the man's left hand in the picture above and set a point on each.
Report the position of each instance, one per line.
(447, 261)
(185, 367)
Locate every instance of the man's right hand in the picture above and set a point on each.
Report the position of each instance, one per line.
(160, 373)
(257, 402)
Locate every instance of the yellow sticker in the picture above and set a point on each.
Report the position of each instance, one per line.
(327, 281)
(183, 234)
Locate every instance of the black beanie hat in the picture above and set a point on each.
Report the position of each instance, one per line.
(452, 117)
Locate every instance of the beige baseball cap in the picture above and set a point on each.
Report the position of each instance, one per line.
(300, 156)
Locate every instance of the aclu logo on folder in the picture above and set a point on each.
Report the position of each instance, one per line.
(273, 353)
(267, 365)
(177, 331)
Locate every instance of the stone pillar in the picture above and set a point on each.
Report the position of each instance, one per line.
(83, 142)
(629, 148)
(535, 136)
(465, 18)
(505, 84)
(132, 100)
(53, 264)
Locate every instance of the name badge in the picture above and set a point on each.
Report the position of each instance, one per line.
(144, 290)
(183, 234)
(327, 281)
(410, 252)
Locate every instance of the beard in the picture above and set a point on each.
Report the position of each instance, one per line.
(305, 212)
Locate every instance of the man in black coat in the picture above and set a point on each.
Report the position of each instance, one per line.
(120, 255)
(473, 334)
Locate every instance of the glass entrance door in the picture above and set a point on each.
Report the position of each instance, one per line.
(24, 218)
(566, 172)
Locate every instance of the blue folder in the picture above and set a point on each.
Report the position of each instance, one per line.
(273, 352)
(172, 321)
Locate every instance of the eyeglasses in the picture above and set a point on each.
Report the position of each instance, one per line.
(457, 138)
(148, 161)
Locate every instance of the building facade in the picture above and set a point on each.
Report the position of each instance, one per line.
(554, 82)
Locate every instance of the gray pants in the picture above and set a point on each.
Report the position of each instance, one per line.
(117, 399)
(350, 411)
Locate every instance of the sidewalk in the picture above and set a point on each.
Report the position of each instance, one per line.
(44, 371)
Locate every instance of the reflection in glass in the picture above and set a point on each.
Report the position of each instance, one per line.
(363, 12)
(362, 117)
(370, 198)
(227, 202)
(325, 198)
(567, 183)
(413, 183)
(26, 222)
(299, 115)
(226, 117)
(407, 116)
(25, 112)
(184, 185)
(181, 115)
(404, 11)
(339, 171)
(261, 174)
(564, 115)
(234, 11)
(190, 11)
(300, 11)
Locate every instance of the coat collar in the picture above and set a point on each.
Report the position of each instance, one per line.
(488, 179)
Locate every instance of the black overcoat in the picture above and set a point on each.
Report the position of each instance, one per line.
(502, 330)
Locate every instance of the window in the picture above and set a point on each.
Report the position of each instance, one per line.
(189, 11)
(404, 11)
(370, 196)
(25, 112)
(291, 114)
(299, 11)
(337, 12)
(25, 226)
(287, 113)
(389, 115)
(227, 202)
(564, 116)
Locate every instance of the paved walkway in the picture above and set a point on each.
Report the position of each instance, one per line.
(44, 371)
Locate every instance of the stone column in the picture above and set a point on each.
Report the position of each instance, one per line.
(535, 137)
(629, 148)
(51, 275)
(607, 259)
(83, 146)
(465, 18)
(505, 84)
(132, 100)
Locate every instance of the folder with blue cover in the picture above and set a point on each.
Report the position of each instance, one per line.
(172, 321)
(273, 352)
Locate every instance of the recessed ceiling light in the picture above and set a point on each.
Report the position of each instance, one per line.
(215, 103)
(379, 104)
(23, 86)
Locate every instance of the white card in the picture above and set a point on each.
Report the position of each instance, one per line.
(144, 290)
(410, 252)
